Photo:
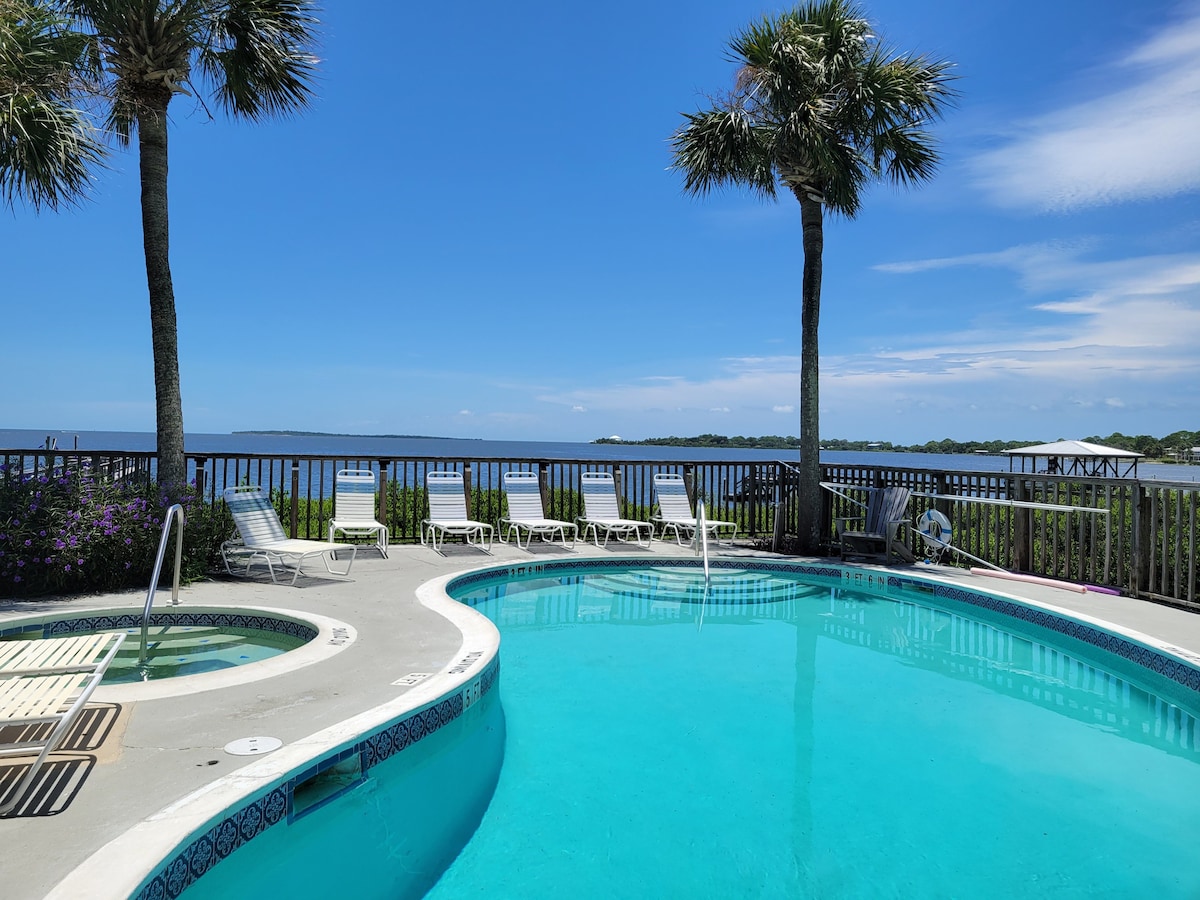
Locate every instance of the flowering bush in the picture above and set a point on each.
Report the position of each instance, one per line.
(68, 533)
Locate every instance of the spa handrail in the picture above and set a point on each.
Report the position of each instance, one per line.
(175, 511)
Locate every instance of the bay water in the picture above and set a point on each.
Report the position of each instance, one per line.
(368, 446)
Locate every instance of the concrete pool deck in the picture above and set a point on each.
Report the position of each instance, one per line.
(164, 748)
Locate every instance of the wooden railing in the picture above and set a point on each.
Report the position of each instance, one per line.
(1144, 543)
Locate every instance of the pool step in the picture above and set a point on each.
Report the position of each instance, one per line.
(176, 641)
(684, 586)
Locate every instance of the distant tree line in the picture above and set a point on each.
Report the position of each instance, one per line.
(1152, 447)
(1174, 443)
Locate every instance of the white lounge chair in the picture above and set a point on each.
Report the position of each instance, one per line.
(263, 538)
(47, 681)
(448, 512)
(58, 655)
(675, 511)
(525, 513)
(601, 512)
(354, 508)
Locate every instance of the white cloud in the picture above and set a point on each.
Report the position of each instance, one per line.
(1140, 142)
(783, 409)
(465, 412)
(1116, 334)
(578, 409)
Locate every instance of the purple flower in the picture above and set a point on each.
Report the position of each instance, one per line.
(28, 543)
(67, 567)
(128, 541)
(16, 578)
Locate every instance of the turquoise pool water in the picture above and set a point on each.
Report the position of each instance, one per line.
(784, 739)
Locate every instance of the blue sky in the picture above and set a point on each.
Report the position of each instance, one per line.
(473, 233)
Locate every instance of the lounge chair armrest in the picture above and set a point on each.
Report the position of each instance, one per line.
(840, 522)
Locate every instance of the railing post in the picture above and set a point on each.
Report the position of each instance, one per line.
(201, 462)
(1022, 549)
(295, 498)
(382, 500)
(689, 484)
(751, 482)
(467, 489)
(1143, 530)
(780, 514)
(543, 470)
(616, 471)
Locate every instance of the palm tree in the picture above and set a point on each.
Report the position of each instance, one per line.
(819, 108)
(252, 56)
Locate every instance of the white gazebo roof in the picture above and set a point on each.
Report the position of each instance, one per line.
(1078, 458)
(1073, 448)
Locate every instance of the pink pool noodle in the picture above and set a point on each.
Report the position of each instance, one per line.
(1030, 579)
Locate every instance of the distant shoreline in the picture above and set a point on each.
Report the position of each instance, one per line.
(419, 437)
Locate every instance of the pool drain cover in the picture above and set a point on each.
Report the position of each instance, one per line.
(252, 746)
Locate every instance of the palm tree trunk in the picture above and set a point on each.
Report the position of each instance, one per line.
(809, 531)
(152, 155)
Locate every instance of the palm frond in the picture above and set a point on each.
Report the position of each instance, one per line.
(720, 147)
(48, 146)
(259, 56)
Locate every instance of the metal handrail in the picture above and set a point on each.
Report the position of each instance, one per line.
(175, 511)
(700, 541)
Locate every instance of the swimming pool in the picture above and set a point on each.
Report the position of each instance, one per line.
(782, 736)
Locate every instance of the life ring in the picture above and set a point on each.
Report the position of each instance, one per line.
(936, 527)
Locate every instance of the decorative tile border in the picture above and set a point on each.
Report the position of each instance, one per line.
(1168, 666)
(110, 621)
(241, 825)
